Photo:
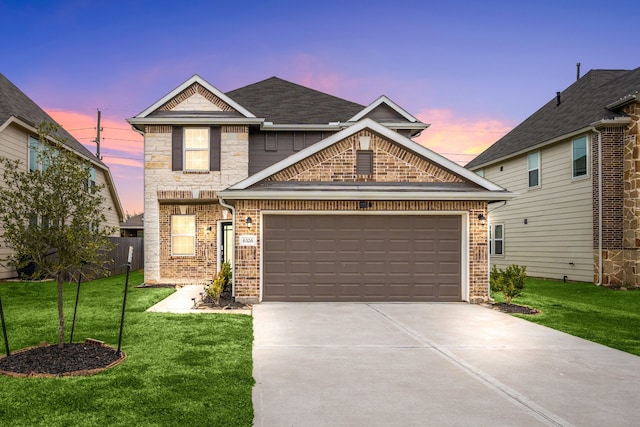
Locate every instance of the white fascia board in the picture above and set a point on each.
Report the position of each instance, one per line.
(615, 122)
(377, 128)
(383, 100)
(194, 121)
(196, 79)
(365, 195)
(303, 127)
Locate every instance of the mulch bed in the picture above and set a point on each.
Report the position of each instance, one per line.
(513, 308)
(225, 303)
(74, 359)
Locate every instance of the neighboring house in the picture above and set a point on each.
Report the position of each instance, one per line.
(570, 221)
(133, 226)
(19, 118)
(310, 198)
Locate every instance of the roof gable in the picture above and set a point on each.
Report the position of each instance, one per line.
(434, 168)
(14, 104)
(195, 92)
(581, 104)
(386, 108)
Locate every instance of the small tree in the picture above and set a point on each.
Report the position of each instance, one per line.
(53, 216)
(510, 281)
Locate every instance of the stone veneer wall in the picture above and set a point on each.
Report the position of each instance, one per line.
(160, 178)
(621, 204)
(247, 258)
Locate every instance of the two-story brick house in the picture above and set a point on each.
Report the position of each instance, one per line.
(575, 164)
(309, 196)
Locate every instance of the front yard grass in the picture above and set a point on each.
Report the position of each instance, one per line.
(596, 313)
(181, 369)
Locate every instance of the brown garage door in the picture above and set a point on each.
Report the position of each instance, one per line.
(362, 258)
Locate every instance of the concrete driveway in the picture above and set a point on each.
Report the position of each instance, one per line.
(343, 364)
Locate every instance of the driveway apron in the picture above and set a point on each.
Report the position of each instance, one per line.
(385, 364)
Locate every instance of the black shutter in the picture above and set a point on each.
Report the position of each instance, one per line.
(214, 148)
(176, 148)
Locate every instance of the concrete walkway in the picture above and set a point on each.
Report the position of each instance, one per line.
(432, 364)
(182, 301)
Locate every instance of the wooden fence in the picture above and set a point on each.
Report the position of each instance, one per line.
(120, 253)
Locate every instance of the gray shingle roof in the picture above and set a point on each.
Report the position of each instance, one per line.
(14, 103)
(283, 102)
(582, 103)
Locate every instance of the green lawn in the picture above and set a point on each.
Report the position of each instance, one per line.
(181, 369)
(591, 312)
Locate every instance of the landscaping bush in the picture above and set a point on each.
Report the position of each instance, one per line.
(509, 282)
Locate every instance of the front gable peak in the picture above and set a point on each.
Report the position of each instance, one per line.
(195, 94)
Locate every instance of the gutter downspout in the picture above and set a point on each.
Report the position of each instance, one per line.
(233, 263)
(596, 131)
(489, 254)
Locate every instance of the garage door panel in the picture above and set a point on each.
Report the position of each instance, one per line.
(361, 258)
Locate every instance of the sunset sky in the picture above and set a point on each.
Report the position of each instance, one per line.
(473, 70)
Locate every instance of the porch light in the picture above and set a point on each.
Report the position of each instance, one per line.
(482, 219)
(249, 221)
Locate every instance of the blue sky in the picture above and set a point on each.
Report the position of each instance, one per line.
(473, 70)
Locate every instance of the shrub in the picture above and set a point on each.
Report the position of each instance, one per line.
(214, 290)
(510, 281)
(225, 269)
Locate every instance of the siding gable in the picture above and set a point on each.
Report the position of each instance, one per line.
(391, 163)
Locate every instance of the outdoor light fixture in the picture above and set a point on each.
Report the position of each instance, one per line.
(209, 229)
(249, 221)
(482, 219)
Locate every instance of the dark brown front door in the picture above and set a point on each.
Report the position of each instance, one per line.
(362, 258)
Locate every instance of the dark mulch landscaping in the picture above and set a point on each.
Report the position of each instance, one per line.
(225, 303)
(513, 308)
(72, 359)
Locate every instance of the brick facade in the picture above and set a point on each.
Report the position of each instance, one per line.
(247, 258)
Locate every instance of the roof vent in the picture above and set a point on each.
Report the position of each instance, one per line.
(558, 98)
(577, 71)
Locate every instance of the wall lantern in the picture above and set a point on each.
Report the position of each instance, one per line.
(482, 219)
(208, 229)
(249, 221)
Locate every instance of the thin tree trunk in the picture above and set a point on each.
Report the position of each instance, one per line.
(60, 313)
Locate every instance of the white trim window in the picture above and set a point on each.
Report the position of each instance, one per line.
(183, 235)
(533, 167)
(39, 155)
(579, 157)
(496, 240)
(196, 149)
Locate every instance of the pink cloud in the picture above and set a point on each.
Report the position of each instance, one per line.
(459, 138)
(121, 149)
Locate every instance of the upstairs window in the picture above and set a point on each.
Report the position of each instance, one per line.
(364, 162)
(196, 149)
(579, 157)
(39, 155)
(533, 162)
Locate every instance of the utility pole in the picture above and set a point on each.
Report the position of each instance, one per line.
(97, 141)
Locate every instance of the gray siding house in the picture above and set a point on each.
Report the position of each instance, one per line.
(575, 164)
(19, 118)
(308, 196)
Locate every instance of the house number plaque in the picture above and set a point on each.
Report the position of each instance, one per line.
(248, 240)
